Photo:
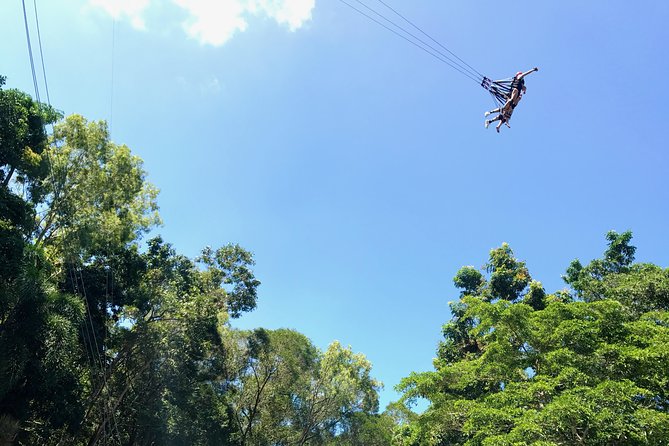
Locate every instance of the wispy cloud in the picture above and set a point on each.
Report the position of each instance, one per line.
(214, 22)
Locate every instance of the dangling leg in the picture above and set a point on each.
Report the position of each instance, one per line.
(490, 121)
(497, 110)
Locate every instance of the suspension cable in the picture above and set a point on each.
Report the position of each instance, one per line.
(429, 37)
(41, 53)
(439, 56)
(30, 51)
(462, 69)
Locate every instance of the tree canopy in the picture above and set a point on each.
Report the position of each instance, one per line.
(109, 338)
(518, 366)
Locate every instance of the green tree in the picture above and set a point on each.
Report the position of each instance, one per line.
(642, 287)
(341, 387)
(98, 198)
(587, 369)
(165, 363)
(105, 341)
(366, 429)
(285, 391)
(33, 316)
(268, 369)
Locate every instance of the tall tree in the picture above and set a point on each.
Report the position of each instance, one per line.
(587, 368)
(98, 199)
(286, 392)
(106, 341)
(33, 316)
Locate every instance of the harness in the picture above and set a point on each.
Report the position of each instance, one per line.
(518, 83)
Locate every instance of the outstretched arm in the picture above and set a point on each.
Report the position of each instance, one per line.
(529, 72)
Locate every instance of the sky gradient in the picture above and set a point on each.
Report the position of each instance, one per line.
(356, 167)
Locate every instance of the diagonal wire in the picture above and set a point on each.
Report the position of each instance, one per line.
(424, 43)
(41, 53)
(428, 36)
(436, 56)
(111, 94)
(30, 51)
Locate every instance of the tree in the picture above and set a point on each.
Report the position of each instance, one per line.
(267, 369)
(341, 387)
(98, 199)
(641, 287)
(23, 172)
(33, 316)
(366, 429)
(554, 369)
(165, 363)
(285, 391)
(106, 339)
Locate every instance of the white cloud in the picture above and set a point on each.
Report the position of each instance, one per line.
(286, 12)
(214, 22)
(132, 10)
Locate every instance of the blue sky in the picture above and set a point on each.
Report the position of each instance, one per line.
(355, 166)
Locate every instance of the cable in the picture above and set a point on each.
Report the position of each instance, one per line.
(464, 67)
(443, 58)
(30, 51)
(453, 63)
(39, 39)
(436, 56)
(35, 83)
(111, 94)
(428, 36)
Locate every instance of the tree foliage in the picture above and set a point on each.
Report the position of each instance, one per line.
(522, 367)
(106, 338)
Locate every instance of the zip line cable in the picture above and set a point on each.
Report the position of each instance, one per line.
(429, 37)
(457, 63)
(454, 64)
(500, 90)
(437, 55)
(426, 44)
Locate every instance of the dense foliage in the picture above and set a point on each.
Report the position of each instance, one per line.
(518, 366)
(104, 340)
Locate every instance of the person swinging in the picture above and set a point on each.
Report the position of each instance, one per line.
(517, 89)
